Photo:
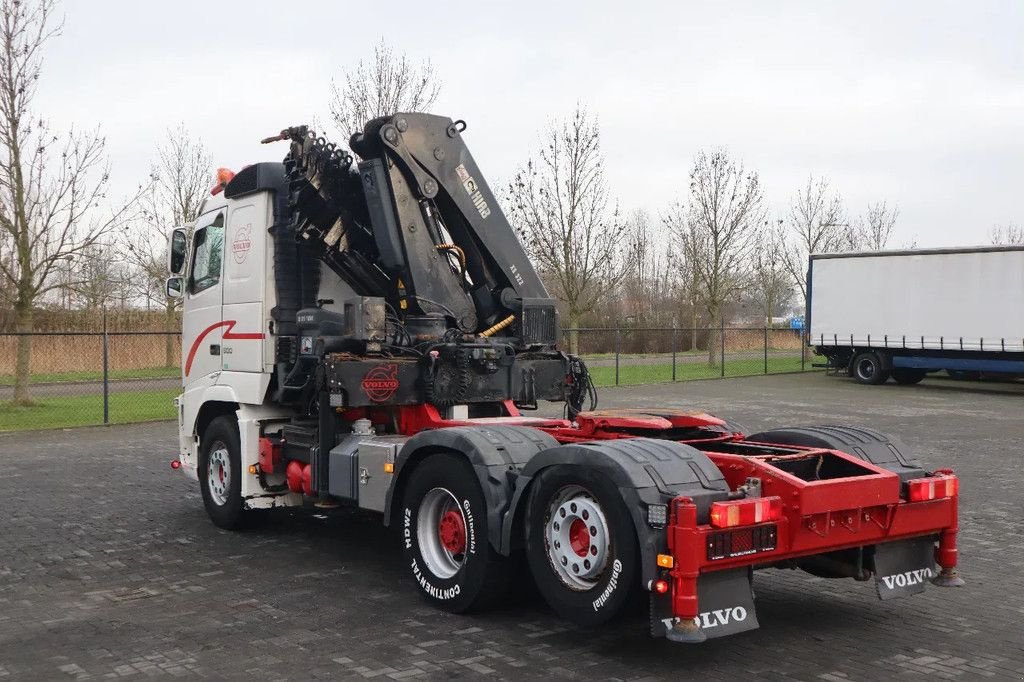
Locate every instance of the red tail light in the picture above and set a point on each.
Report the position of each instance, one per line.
(933, 488)
(660, 586)
(745, 512)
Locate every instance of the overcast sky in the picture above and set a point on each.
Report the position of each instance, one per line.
(917, 103)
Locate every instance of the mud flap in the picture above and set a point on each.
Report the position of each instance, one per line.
(726, 602)
(904, 568)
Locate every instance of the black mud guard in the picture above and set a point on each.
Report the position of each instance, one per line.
(497, 453)
(646, 471)
(882, 450)
(725, 600)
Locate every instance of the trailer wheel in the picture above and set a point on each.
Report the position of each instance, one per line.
(220, 474)
(906, 376)
(581, 544)
(868, 369)
(445, 537)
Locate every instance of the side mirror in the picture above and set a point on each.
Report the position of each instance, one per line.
(176, 252)
(174, 287)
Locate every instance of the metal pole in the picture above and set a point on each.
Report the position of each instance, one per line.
(803, 347)
(617, 340)
(766, 350)
(674, 346)
(106, 370)
(721, 358)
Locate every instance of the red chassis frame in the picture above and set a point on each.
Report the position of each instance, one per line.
(817, 516)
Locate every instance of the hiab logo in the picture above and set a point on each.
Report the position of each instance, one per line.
(381, 382)
(473, 190)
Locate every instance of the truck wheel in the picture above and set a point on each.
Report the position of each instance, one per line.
(444, 537)
(581, 544)
(867, 368)
(906, 376)
(220, 474)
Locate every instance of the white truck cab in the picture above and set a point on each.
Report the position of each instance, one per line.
(225, 278)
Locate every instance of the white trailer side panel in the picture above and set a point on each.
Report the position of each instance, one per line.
(917, 300)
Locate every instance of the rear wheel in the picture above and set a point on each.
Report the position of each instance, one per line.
(906, 376)
(868, 369)
(581, 544)
(445, 537)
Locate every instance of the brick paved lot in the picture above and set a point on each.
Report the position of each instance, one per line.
(109, 568)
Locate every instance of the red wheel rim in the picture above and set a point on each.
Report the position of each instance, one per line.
(452, 532)
(579, 537)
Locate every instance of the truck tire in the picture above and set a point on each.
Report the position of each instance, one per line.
(444, 537)
(906, 376)
(581, 544)
(220, 474)
(868, 368)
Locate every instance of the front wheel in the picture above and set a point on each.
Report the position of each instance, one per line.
(220, 474)
(868, 369)
(445, 537)
(581, 545)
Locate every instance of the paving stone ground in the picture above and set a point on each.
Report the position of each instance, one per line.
(109, 569)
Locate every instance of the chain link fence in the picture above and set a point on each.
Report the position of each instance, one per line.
(630, 356)
(88, 378)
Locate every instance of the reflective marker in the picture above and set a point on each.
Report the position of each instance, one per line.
(933, 488)
(745, 512)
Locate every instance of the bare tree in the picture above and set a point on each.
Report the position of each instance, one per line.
(874, 230)
(683, 257)
(181, 177)
(1007, 234)
(51, 187)
(717, 230)
(559, 204)
(646, 286)
(770, 280)
(386, 85)
(97, 277)
(817, 225)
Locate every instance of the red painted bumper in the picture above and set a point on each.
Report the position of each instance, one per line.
(803, 531)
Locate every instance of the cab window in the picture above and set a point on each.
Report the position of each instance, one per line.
(209, 251)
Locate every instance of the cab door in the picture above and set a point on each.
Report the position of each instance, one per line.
(244, 279)
(203, 323)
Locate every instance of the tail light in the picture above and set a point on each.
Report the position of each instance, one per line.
(745, 512)
(933, 488)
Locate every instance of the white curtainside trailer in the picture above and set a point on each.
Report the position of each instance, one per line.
(902, 314)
